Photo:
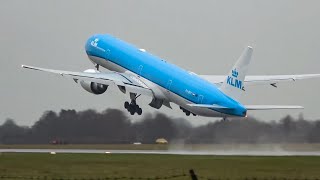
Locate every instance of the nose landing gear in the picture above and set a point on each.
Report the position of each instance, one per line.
(132, 107)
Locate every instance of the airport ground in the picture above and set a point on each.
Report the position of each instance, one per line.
(142, 166)
(160, 166)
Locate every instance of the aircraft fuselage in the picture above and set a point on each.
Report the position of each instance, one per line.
(169, 82)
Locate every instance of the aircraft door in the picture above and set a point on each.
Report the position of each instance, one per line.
(108, 54)
(140, 70)
(168, 89)
(169, 83)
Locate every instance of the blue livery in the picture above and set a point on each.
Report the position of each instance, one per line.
(177, 80)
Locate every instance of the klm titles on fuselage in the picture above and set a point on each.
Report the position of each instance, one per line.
(233, 81)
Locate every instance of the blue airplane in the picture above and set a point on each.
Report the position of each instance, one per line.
(137, 72)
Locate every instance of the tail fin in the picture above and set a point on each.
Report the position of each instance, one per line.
(233, 85)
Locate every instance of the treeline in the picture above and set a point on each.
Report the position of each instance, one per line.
(114, 126)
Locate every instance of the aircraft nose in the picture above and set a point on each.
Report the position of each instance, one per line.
(88, 43)
(91, 43)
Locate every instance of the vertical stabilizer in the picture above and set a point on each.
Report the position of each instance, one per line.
(233, 85)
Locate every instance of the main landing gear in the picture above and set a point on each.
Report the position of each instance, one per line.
(97, 67)
(132, 107)
(187, 112)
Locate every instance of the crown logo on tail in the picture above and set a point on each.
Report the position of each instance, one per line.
(235, 73)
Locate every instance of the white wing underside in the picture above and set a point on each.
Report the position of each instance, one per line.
(129, 81)
(261, 80)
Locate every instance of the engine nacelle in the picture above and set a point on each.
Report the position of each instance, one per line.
(92, 87)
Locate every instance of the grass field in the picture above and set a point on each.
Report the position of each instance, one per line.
(131, 166)
(208, 147)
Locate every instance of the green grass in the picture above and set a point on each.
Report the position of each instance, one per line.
(207, 147)
(128, 166)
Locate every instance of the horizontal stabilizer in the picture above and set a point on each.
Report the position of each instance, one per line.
(271, 107)
(214, 106)
(248, 107)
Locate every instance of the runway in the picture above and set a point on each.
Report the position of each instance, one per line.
(169, 152)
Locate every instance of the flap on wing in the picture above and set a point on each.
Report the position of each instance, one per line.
(103, 78)
(270, 107)
(132, 83)
(254, 80)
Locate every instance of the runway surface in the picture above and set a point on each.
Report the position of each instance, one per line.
(173, 152)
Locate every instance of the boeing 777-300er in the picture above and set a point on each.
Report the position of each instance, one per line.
(137, 72)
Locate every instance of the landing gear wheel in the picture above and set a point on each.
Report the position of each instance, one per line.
(126, 104)
(132, 112)
(132, 107)
(139, 111)
(188, 113)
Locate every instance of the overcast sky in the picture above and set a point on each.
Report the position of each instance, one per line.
(206, 37)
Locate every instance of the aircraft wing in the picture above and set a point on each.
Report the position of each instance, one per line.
(130, 82)
(261, 80)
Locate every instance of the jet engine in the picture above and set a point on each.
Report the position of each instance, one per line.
(93, 87)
